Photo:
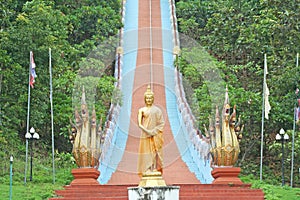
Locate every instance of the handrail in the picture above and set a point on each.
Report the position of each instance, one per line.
(113, 110)
(174, 20)
(195, 134)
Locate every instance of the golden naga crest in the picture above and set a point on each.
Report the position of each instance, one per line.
(225, 136)
(86, 137)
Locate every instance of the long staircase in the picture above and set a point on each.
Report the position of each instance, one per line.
(148, 39)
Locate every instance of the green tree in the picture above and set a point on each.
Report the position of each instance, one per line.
(238, 34)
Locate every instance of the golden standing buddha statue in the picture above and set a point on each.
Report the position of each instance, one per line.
(151, 122)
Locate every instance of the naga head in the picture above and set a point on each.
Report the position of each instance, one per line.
(225, 134)
(85, 137)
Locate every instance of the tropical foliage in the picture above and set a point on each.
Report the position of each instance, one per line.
(238, 34)
(74, 32)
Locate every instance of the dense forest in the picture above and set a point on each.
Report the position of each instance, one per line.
(234, 35)
(237, 34)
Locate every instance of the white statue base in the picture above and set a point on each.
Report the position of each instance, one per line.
(153, 187)
(153, 193)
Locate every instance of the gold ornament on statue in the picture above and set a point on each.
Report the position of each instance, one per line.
(225, 136)
(176, 50)
(85, 137)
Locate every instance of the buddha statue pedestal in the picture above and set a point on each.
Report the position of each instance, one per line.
(152, 179)
(153, 187)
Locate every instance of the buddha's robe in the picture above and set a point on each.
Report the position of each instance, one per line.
(151, 144)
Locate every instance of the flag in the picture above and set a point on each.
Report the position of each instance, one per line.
(32, 70)
(267, 103)
(267, 92)
(297, 112)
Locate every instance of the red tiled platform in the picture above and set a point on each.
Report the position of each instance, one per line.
(85, 188)
(186, 192)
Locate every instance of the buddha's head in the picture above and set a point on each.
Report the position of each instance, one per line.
(149, 96)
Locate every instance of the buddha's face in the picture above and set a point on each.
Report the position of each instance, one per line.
(149, 99)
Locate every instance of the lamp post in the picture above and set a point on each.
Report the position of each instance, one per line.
(10, 176)
(32, 135)
(282, 137)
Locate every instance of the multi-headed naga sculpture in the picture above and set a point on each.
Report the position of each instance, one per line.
(225, 136)
(86, 137)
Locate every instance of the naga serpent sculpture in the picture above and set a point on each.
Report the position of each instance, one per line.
(225, 136)
(86, 137)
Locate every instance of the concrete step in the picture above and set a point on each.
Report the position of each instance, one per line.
(186, 192)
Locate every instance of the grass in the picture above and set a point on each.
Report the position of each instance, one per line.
(30, 191)
(274, 192)
(41, 187)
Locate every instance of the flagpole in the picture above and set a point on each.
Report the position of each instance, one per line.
(0, 94)
(28, 111)
(262, 118)
(51, 104)
(294, 127)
